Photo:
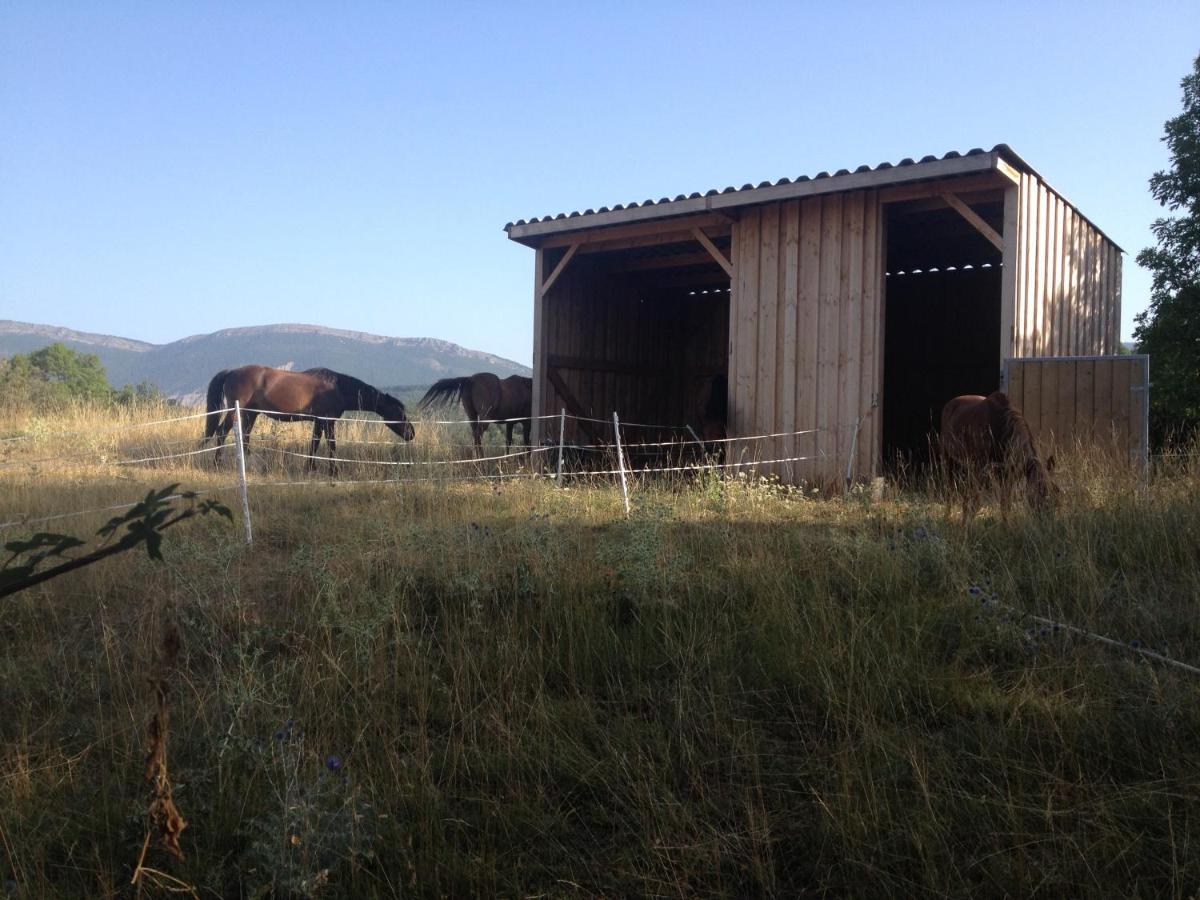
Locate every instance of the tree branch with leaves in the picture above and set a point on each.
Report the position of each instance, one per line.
(1169, 330)
(144, 523)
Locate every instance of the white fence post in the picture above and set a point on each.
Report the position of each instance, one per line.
(621, 461)
(562, 429)
(241, 467)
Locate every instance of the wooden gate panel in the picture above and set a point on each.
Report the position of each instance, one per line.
(1084, 401)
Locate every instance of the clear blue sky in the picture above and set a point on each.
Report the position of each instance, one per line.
(173, 168)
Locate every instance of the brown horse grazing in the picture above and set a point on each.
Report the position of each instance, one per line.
(487, 400)
(987, 439)
(292, 396)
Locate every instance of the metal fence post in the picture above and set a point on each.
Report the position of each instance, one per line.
(621, 461)
(241, 468)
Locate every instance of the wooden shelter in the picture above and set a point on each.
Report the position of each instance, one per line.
(851, 305)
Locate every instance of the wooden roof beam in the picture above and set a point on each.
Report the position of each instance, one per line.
(648, 240)
(975, 219)
(712, 249)
(710, 221)
(558, 270)
(672, 261)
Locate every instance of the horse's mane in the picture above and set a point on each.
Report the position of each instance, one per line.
(1010, 431)
(348, 384)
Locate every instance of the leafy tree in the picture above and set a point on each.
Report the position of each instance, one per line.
(54, 375)
(58, 374)
(145, 391)
(1169, 329)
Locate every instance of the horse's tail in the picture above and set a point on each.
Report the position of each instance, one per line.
(448, 390)
(216, 388)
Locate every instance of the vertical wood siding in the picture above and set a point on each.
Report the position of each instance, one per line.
(1096, 403)
(619, 347)
(805, 348)
(1068, 279)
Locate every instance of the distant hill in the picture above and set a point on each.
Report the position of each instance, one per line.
(182, 368)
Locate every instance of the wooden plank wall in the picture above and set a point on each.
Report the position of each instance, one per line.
(1090, 402)
(806, 334)
(1068, 279)
(620, 345)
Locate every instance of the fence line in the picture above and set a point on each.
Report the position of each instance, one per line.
(131, 462)
(111, 428)
(1093, 636)
(267, 444)
(401, 482)
(692, 467)
(13, 523)
(406, 463)
(382, 421)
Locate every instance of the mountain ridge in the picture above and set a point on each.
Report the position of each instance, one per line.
(182, 368)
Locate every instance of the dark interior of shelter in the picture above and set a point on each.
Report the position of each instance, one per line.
(942, 321)
(640, 330)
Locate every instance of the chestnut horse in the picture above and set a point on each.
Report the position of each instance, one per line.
(487, 400)
(292, 396)
(987, 439)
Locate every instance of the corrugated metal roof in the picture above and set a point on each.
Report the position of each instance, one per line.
(953, 154)
(750, 193)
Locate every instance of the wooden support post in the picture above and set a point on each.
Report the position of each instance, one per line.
(241, 469)
(975, 219)
(716, 254)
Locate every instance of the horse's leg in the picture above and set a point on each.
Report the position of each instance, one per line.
(222, 432)
(525, 425)
(247, 424)
(331, 443)
(477, 430)
(311, 462)
(508, 430)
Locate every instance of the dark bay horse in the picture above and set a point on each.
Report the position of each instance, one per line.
(293, 396)
(485, 397)
(986, 439)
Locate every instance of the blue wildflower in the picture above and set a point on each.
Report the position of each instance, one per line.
(279, 735)
(333, 763)
(1135, 644)
(1045, 632)
(974, 590)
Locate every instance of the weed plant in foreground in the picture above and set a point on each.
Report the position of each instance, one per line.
(508, 689)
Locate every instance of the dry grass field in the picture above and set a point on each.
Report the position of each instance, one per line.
(504, 688)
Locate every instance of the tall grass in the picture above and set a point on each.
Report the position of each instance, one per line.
(507, 689)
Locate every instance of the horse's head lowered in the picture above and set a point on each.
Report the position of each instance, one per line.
(392, 411)
(1040, 488)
